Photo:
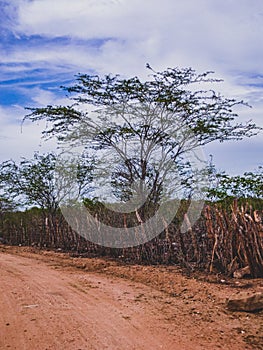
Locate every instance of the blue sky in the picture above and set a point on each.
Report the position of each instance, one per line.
(44, 43)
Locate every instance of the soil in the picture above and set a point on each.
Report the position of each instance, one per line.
(51, 300)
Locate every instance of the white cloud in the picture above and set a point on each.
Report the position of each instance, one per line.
(17, 140)
(224, 36)
(21, 139)
(200, 33)
(43, 98)
(237, 157)
(204, 30)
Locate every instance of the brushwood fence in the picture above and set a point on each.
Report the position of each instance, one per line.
(222, 240)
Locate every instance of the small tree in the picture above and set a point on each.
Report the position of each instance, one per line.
(36, 182)
(246, 186)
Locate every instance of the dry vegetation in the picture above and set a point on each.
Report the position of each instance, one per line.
(222, 241)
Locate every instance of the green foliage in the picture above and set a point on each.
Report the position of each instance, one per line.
(247, 186)
(209, 115)
(35, 182)
(31, 181)
(6, 205)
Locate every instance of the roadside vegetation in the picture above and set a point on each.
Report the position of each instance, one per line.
(136, 130)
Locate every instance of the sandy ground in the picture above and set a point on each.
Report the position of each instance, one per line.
(53, 301)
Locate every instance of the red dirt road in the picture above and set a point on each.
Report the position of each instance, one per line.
(46, 303)
(42, 308)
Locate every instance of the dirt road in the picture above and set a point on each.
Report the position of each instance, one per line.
(47, 306)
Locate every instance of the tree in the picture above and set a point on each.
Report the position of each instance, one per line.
(248, 185)
(6, 203)
(145, 129)
(37, 182)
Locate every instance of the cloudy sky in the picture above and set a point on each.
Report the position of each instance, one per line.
(44, 43)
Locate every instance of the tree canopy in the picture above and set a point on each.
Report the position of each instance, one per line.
(36, 182)
(248, 185)
(207, 113)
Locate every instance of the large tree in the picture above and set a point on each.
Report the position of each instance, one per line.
(145, 130)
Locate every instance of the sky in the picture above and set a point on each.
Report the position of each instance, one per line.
(45, 43)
